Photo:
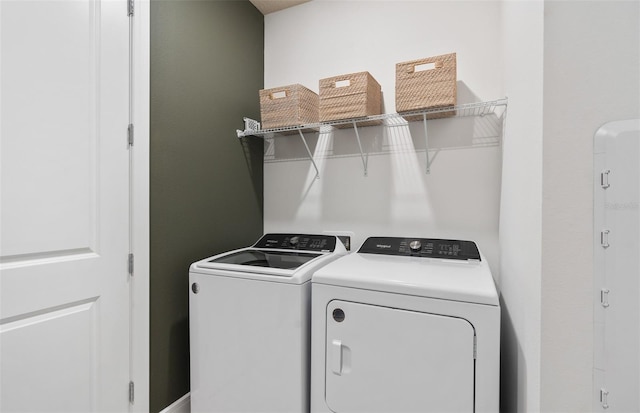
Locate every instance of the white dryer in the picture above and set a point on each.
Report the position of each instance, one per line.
(250, 321)
(406, 325)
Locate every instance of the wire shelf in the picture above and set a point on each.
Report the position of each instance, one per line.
(252, 127)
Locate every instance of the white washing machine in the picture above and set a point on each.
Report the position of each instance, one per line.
(250, 320)
(406, 325)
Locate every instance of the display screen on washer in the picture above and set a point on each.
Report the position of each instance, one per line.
(271, 259)
(421, 247)
(320, 243)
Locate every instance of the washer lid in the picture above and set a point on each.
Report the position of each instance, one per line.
(285, 260)
(466, 280)
(289, 258)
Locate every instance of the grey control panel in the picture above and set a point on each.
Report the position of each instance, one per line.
(306, 242)
(421, 247)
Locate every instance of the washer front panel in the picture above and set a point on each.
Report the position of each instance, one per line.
(249, 345)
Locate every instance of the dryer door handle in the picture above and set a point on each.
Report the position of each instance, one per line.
(336, 357)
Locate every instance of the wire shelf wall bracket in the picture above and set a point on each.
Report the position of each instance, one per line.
(364, 160)
(253, 127)
(309, 153)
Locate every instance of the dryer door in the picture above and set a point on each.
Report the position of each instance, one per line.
(381, 359)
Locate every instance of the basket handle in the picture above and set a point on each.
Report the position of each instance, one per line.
(279, 94)
(341, 83)
(426, 66)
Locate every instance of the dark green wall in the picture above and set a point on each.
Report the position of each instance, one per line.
(206, 185)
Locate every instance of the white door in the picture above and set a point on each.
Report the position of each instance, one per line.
(64, 311)
(381, 359)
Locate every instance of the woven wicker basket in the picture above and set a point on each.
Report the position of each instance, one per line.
(425, 84)
(292, 105)
(353, 95)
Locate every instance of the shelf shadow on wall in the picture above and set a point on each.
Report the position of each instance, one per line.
(513, 365)
(253, 149)
(443, 134)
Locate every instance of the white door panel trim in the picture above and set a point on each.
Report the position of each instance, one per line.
(23, 320)
(45, 258)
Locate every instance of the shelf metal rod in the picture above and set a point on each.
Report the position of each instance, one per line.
(364, 161)
(426, 143)
(309, 152)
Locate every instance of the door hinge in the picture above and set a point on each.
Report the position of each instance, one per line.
(130, 7)
(475, 347)
(604, 297)
(130, 262)
(604, 398)
(604, 178)
(131, 392)
(130, 134)
(604, 238)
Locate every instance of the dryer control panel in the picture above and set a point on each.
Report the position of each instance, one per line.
(306, 242)
(421, 247)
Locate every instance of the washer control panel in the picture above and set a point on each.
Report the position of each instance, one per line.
(320, 243)
(421, 247)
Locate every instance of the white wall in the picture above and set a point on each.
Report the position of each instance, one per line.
(463, 196)
(566, 67)
(460, 198)
(521, 205)
(591, 76)
(569, 68)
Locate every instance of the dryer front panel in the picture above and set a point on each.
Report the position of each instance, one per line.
(381, 359)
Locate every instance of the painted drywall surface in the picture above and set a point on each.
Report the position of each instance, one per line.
(591, 66)
(460, 198)
(206, 185)
(520, 209)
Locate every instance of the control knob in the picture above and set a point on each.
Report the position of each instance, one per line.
(415, 246)
(294, 240)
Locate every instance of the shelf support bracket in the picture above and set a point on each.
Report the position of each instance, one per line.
(309, 152)
(426, 144)
(364, 160)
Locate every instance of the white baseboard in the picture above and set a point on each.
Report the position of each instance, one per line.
(182, 405)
